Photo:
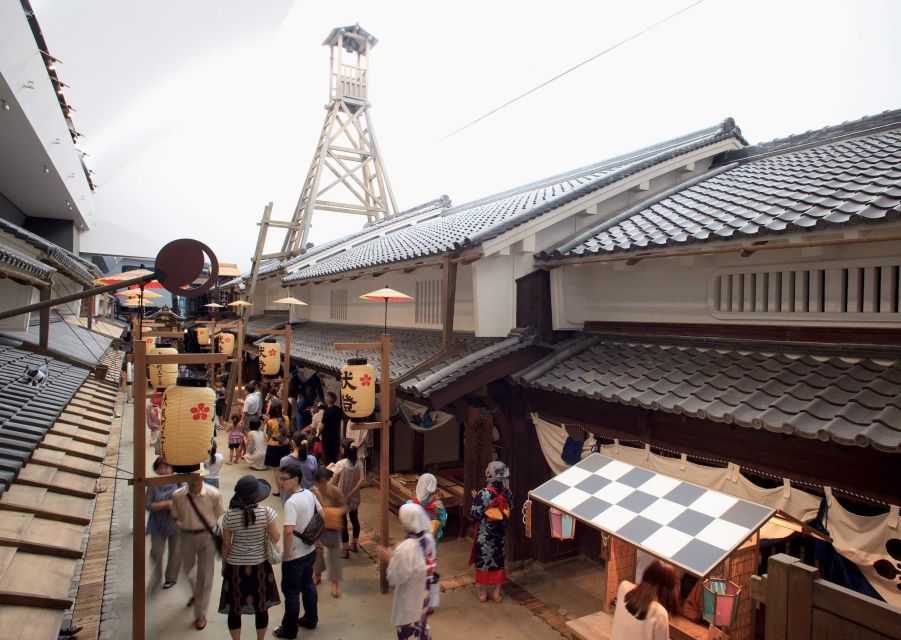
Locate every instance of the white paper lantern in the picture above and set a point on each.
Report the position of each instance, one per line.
(162, 375)
(270, 358)
(203, 336)
(187, 414)
(357, 388)
(225, 343)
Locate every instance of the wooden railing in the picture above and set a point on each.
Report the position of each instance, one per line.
(352, 81)
(800, 606)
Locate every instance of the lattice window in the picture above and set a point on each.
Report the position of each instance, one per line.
(863, 290)
(428, 301)
(338, 307)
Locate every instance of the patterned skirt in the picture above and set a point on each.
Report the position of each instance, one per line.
(248, 589)
(420, 629)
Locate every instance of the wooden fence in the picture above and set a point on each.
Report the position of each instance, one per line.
(799, 606)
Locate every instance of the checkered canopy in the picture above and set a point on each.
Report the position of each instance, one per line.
(690, 526)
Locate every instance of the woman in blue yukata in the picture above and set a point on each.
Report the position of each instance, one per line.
(490, 511)
(410, 570)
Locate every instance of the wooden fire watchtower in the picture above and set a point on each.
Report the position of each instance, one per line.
(347, 155)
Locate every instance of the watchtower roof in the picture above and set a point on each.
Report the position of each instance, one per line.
(355, 38)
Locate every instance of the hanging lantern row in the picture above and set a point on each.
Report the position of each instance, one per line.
(225, 343)
(270, 358)
(203, 336)
(162, 375)
(357, 388)
(187, 424)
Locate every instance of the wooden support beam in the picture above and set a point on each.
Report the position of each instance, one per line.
(16, 598)
(44, 329)
(448, 303)
(138, 584)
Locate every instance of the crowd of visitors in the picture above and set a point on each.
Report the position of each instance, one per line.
(318, 478)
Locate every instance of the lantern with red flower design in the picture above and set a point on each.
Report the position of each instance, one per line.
(357, 388)
(203, 336)
(162, 375)
(270, 358)
(225, 343)
(187, 423)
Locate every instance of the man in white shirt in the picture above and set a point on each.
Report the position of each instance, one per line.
(253, 403)
(298, 557)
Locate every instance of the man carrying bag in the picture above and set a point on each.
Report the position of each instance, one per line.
(302, 517)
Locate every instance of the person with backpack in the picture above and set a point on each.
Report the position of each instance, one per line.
(490, 511)
(302, 513)
(278, 435)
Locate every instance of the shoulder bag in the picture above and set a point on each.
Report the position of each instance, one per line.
(273, 551)
(214, 531)
(313, 530)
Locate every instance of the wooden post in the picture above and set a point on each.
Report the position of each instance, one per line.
(286, 368)
(44, 314)
(139, 385)
(90, 311)
(384, 459)
(785, 596)
(448, 302)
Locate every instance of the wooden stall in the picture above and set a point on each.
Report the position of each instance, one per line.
(639, 513)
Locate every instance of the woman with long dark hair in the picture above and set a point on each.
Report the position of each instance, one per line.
(643, 611)
(248, 582)
(301, 458)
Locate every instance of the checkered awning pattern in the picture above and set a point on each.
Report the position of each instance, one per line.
(690, 526)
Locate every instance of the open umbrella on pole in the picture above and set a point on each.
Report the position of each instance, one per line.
(387, 295)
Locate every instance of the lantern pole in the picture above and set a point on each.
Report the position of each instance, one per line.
(286, 368)
(384, 443)
(138, 588)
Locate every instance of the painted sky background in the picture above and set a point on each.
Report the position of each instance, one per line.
(197, 113)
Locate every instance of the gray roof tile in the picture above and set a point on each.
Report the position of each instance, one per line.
(71, 264)
(26, 265)
(826, 397)
(475, 222)
(849, 177)
(66, 339)
(312, 343)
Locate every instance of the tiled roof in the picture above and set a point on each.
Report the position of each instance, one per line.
(27, 412)
(25, 264)
(852, 401)
(475, 222)
(844, 175)
(68, 340)
(268, 320)
(313, 343)
(75, 266)
(423, 210)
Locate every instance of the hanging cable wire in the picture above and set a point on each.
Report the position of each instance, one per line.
(573, 68)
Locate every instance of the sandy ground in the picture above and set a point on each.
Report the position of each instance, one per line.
(362, 612)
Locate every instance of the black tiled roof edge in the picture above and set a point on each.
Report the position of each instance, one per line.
(428, 382)
(85, 347)
(440, 203)
(25, 264)
(847, 396)
(268, 320)
(73, 265)
(655, 155)
(403, 359)
(599, 239)
(634, 162)
(888, 119)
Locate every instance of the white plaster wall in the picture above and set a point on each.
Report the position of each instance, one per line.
(12, 296)
(494, 288)
(676, 289)
(400, 314)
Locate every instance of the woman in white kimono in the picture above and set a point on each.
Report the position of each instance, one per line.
(410, 570)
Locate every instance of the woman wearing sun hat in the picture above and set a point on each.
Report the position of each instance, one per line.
(248, 582)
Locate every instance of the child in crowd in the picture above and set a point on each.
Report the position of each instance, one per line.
(235, 440)
(213, 466)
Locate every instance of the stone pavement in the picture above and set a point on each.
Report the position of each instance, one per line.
(361, 613)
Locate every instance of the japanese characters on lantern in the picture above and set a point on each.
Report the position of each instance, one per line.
(225, 343)
(357, 380)
(162, 375)
(270, 358)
